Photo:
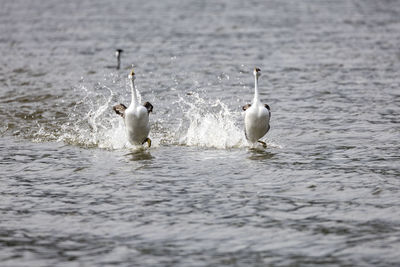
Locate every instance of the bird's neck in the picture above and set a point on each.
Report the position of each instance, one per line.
(256, 98)
(118, 61)
(133, 93)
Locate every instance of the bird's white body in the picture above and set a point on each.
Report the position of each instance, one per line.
(137, 124)
(256, 122)
(136, 119)
(257, 116)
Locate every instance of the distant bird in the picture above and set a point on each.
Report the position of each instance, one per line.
(136, 117)
(118, 55)
(257, 115)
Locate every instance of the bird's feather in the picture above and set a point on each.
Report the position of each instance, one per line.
(245, 107)
(148, 106)
(120, 110)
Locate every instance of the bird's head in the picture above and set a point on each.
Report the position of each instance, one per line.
(118, 52)
(257, 72)
(132, 75)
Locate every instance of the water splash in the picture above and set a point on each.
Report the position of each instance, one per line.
(209, 124)
(195, 121)
(90, 121)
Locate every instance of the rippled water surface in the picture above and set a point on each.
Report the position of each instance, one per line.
(73, 192)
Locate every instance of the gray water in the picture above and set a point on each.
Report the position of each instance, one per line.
(73, 192)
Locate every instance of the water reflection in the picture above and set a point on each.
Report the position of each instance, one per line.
(260, 154)
(139, 155)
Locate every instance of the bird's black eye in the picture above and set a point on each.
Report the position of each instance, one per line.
(267, 107)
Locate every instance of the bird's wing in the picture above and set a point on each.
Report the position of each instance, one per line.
(246, 106)
(148, 106)
(120, 109)
(269, 110)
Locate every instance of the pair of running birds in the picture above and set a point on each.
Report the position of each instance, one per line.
(136, 116)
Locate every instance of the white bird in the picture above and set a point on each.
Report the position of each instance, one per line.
(257, 115)
(136, 117)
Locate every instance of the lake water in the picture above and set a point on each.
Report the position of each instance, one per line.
(73, 192)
